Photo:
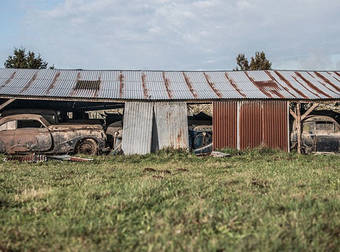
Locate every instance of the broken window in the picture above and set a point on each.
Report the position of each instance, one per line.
(88, 84)
(325, 126)
(308, 127)
(29, 124)
(11, 125)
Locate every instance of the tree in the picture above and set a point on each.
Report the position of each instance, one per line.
(23, 59)
(259, 62)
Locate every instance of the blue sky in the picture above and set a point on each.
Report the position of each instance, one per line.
(173, 34)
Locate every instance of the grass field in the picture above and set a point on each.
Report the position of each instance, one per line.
(260, 200)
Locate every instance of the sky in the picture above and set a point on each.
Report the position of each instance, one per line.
(173, 34)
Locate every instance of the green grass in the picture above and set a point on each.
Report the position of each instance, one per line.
(256, 200)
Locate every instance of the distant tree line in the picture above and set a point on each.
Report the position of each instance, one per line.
(258, 62)
(23, 59)
(29, 59)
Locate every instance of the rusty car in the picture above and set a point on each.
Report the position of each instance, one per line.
(27, 133)
(319, 134)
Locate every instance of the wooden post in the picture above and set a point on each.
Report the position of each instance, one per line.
(6, 103)
(314, 105)
(298, 126)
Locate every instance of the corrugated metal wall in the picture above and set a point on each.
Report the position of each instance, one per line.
(137, 128)
(172, 124)
(257, 123)
(225, 124)
(250, 124)
(275, 133)
(149, 126)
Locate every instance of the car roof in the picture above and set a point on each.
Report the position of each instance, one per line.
(312, 118)
(23, 117)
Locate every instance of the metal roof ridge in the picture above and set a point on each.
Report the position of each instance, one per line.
(158, 70)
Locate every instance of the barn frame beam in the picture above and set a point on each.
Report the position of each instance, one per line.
(9, 101)
(299, 119)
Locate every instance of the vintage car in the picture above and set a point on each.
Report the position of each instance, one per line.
(319, 134)
(24, 133)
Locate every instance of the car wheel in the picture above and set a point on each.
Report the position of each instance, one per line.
(88, 147)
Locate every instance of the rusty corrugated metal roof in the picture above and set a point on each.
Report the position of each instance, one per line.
(171, 85)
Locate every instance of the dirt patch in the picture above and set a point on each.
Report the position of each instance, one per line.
(149, 170)
(158, 171)
(231, 182)
(259, 183)
(157, 177)
(182, 170)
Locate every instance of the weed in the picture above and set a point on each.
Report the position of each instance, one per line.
(254, 200)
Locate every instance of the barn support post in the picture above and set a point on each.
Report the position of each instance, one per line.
(298, 126)
(299, 119)
(9, 101)
(288, 128)
(314, 105)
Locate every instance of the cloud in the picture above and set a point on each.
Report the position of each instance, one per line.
(183, 34)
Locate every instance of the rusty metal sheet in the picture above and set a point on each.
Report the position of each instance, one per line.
(171, 85)
(137, 128)
(264, 123)
(268, 85)
(225, 125)
(171, 121)
(275, 124)
(250, 125)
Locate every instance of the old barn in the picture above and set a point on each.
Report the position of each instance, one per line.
(250, 108)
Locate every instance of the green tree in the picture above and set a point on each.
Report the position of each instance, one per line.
(258, 62)
(23, 59)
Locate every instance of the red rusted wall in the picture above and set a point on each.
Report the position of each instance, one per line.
(225, 124)
(260, 123)
(275, 133)
(250, 124)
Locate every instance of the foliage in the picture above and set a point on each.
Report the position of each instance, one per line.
(23, 59)
(259, 62)
(255, 200)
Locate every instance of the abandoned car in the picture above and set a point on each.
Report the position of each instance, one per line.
(23, 133)
(319, 134)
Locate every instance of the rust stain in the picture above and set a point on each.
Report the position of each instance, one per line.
(29, 83)
(121, 85)
(312, 85)
(53, 83)
(187, 81)
(224, 124)
(277, 93)
(234, 85)
(334, 76)
(325, 80)
(100, 82)
(167, 85)
(261, 85)
(179, 138)
(290, 85)
(9, 79)
(145, 90)
(212, 85)
(272, 77)
(305, 86)
(74, 88)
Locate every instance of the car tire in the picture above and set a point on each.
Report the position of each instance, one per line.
(88, 147)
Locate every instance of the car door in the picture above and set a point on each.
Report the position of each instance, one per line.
(31, 136)
(326, 139)
(7, 132)
(308, 136)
